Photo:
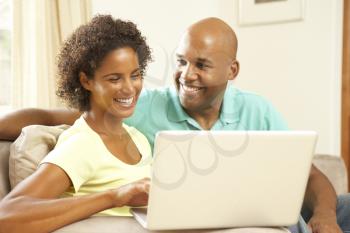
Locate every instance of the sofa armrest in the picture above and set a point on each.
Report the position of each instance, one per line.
(334, 168)
(4, 168)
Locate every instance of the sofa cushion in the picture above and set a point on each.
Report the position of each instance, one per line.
(34, 143)
(334, 168)
(129, 225)
(4, 168)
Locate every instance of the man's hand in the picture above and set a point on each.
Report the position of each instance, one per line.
(321, 200)
(324, 223)
(133, 194)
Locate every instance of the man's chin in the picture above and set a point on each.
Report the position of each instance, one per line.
(188, 104)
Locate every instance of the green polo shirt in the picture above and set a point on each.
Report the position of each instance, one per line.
(160, 109)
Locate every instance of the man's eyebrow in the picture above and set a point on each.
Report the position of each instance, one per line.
(204, 60)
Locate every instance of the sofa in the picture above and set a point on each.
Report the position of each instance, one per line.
(332, 166)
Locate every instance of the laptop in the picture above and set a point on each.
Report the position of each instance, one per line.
(225, 179)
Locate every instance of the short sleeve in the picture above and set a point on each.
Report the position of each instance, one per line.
(75, 157)
(273, 119)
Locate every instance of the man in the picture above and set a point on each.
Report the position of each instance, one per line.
(202, 100)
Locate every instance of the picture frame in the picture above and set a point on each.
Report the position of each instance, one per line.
(258, 12)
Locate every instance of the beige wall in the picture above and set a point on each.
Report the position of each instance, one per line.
(295, 65)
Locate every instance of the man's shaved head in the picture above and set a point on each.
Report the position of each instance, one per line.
(215, 32)
(206, 61)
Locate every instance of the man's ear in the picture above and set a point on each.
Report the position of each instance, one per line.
(234, 70)
(84, 81)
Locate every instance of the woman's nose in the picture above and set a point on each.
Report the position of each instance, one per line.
(128, 87)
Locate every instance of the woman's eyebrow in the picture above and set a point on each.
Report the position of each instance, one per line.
(119, 74)
(136, 70)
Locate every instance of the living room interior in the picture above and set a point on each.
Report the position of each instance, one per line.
(298, 59)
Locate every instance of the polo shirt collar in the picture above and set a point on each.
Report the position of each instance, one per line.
(175, 111)
(228, 113)
(230, 107)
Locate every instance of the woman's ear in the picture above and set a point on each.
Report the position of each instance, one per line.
(84, 81)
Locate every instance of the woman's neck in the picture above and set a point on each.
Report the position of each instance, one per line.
(104, 124)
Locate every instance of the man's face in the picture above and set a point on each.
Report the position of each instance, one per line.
(202, 71)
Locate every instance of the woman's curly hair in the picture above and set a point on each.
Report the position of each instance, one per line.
(85, 49)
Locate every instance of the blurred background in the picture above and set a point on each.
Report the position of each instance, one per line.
(290, 51)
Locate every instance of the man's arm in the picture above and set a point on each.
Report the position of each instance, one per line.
(321, 199)
(12, 123)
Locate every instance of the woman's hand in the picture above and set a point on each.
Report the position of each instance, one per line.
(133, 194)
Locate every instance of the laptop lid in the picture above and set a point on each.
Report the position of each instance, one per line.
(221, 179)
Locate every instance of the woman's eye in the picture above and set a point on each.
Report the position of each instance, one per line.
(114, 79)
(136, 76)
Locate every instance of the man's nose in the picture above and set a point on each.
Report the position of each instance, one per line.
(189, 73)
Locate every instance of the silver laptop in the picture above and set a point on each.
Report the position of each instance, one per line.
(224, 179)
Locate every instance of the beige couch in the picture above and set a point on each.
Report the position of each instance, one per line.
(333, 167)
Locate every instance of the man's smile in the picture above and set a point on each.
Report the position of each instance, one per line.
(188, 89)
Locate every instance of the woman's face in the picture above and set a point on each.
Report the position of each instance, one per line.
(117, 83)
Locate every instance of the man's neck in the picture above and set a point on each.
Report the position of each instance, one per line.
(206, 118)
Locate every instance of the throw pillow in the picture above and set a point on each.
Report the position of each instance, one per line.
(34, 143)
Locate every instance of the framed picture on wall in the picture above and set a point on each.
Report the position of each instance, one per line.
(255, 12)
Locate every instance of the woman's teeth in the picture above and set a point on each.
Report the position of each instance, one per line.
(124, 102)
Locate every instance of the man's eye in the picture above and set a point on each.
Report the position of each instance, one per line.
(181, 62)
(201, 65)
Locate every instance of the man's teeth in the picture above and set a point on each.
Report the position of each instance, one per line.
(125, 102)
(188, 88)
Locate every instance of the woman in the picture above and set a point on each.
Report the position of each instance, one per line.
(99, 164)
